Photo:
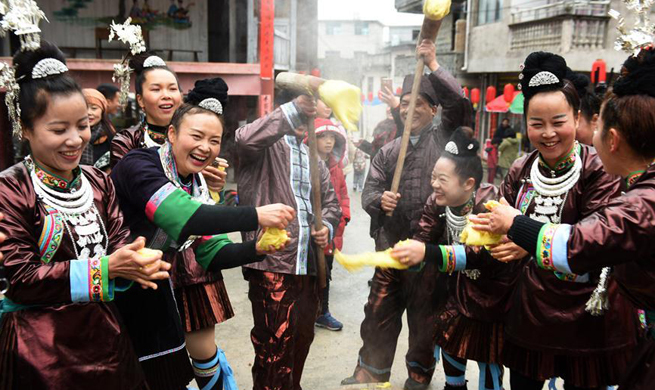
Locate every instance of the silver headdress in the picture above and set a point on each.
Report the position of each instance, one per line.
(451, 147)
(642, 33)
(48, 67)
(153, 61)
(543, 78)
(132, 35)
(212, 105)
(22, 17)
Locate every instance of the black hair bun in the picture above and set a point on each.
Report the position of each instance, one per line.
(541, 61)
(136, 61)
(580, 81)
(25, 61)
(462, 143)
(209, 88)
(637, 75)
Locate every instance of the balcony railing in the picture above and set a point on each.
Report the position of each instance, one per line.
(569, 7)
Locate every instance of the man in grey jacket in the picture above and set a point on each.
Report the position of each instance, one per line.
(283, 289)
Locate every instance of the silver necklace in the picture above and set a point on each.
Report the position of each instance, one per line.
(78, 213)
(455, 224)
(548, 200)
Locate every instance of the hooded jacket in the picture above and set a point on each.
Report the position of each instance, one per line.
(335, 165)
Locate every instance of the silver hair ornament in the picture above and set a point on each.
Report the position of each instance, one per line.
(642, 33)
(543, 78)
(451, 148)
(132, 35)
(8, 81)
(22, 17)
(153, 61)
(48, 67)
(212, 105)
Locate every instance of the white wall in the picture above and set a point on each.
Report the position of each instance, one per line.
(346, 42)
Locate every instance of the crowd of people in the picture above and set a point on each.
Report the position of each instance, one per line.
(113, 240)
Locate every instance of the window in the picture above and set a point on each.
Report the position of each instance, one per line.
(333, 28)
(332, 53)
(489, 11)
(415, 34)
(361, 28)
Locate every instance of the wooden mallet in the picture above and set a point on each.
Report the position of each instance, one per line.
(429, 30)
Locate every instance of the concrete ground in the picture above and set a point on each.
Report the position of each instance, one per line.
(333, 355)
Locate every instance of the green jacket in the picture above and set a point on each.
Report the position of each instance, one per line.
(509, 151)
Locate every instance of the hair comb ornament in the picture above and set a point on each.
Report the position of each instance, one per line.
(22, 17)
(212, 104)
(132, 35)
(153, 61)
(48, 67)
(451, 147)
(543, 78)
(642, 34)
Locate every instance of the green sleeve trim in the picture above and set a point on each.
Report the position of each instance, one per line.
(171, 211)
(207, 250)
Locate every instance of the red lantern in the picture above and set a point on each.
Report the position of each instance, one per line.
(508, 92)
(316, 72)
(370, 96)
(399, 91)
(302, 72)
(475, 95)
(491, 94)
(363, 97)
(466, 91)
(598, 71)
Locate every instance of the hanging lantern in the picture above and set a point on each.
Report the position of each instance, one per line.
(508, 93)
(370, 96)
(475, 95)
(363, 97)
(598, 71)
(491, 93)
(316, 72)
(465, 91)
(399, 91)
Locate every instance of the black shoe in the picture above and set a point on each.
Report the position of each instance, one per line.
(351, 380)
(411, 384)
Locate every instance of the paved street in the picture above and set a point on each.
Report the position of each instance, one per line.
(333, 354)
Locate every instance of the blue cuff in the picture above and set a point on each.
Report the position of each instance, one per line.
(79, 280)
(560, 248)
(330, 228)
(460, 256)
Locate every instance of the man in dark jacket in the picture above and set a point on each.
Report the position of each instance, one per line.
(393, 291)
(283, 290)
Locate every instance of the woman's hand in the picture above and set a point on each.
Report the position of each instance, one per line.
(498, 221)
(275, 215)
(261, 251)
(386, 96)
(409, 253)
(507, 251)
(127, 263)
(216, 176)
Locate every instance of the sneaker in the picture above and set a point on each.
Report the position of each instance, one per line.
(328, 322)
(411, 384)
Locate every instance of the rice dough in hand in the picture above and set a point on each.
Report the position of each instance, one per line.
(381, 259)
(273, 238)
(472, 237)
